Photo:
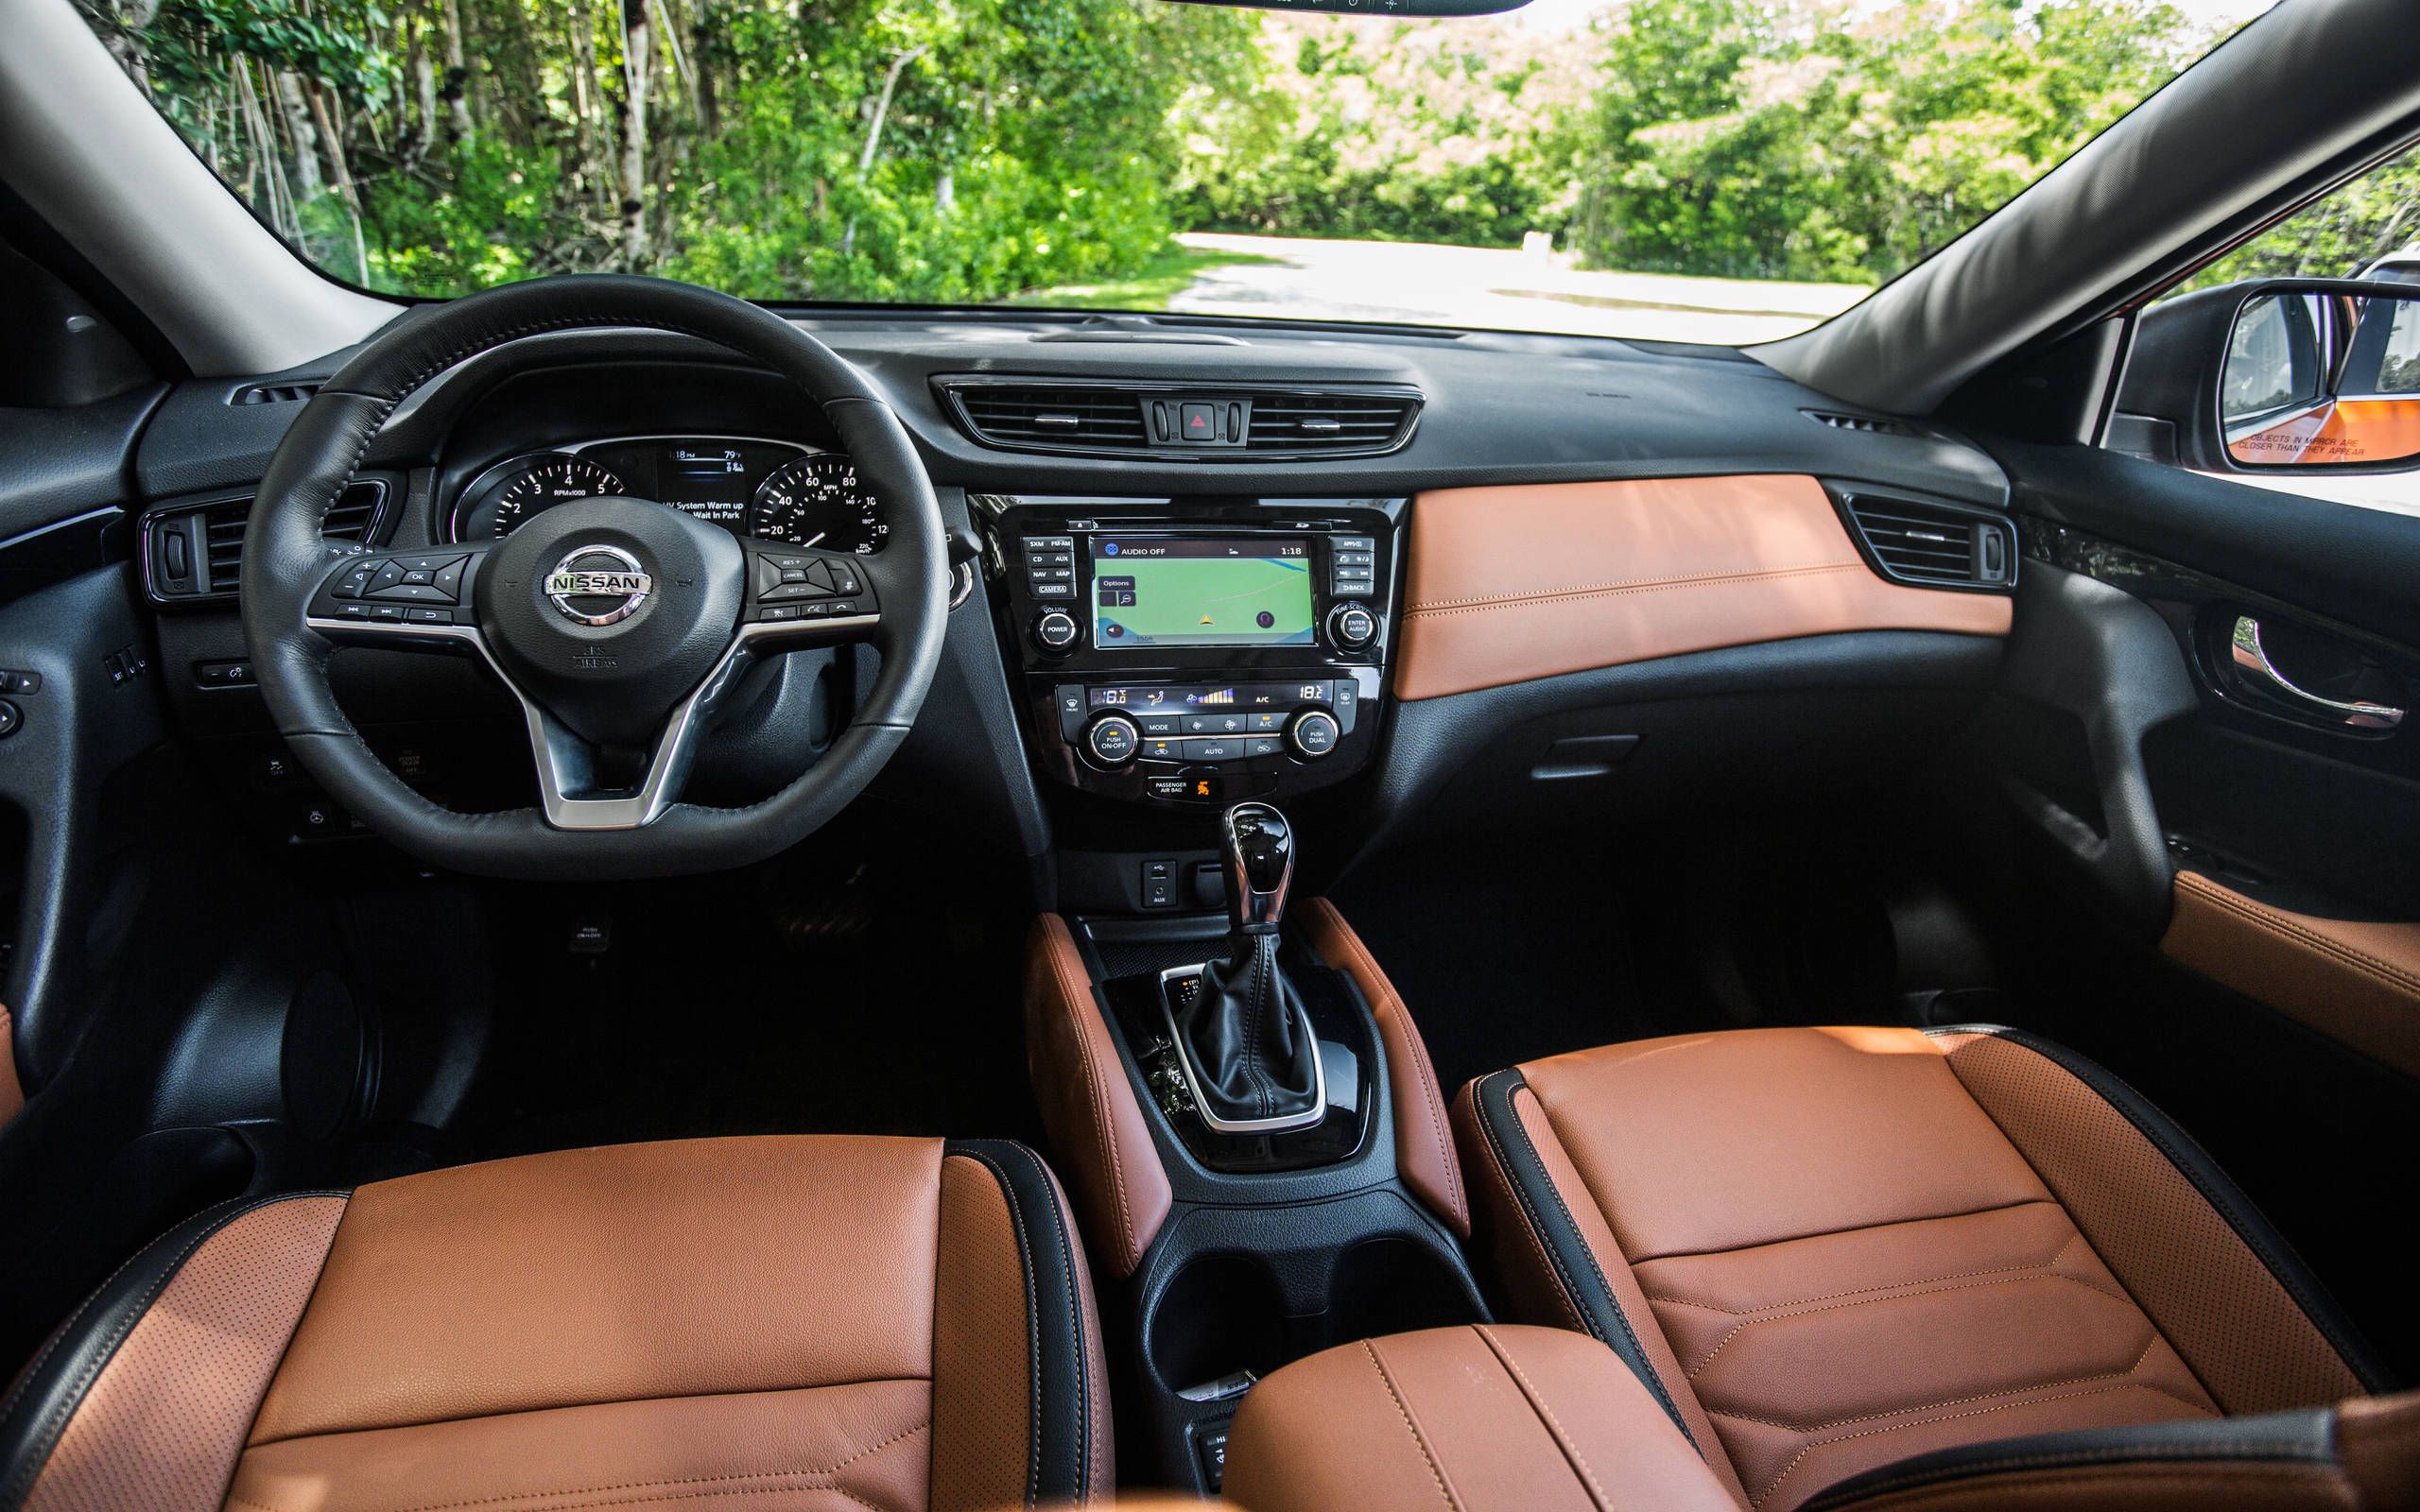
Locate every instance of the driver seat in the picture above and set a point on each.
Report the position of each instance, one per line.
(809, 1322)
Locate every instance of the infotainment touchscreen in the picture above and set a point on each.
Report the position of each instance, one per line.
(1159, 590)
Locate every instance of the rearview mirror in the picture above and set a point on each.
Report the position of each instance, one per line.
(2280, 375)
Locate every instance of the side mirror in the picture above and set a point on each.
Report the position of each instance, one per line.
(2277, 375)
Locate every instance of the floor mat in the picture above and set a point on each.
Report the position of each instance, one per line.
(791, 999)
(1535, 962)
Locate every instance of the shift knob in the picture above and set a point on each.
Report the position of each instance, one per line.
(1260, 847)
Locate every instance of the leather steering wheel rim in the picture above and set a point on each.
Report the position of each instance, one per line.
(285, 561)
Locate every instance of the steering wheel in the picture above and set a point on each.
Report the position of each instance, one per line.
(615, 622)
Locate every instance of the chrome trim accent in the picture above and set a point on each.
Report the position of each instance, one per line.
(565, 583)
(961, 583)
(1248, 908)
(2252, 659)
(562, 757)
(1194, 1079)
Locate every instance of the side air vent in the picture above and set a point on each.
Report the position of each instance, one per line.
(274, 393)
(1933, 545)
(1840, 419)
(194, 553)
(1204, 422)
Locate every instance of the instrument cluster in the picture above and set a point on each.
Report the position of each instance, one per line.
(771, 491)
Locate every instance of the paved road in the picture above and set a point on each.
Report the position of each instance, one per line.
(1418, 283)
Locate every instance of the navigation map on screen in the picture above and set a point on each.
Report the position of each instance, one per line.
(1163, 592)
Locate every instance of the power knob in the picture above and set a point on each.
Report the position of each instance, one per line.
(1351, 626)
(1111, 741)
(1312, 733)
(1055, 631)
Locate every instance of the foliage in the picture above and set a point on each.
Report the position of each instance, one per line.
(967, 151)
(2337, 237)
(1840, 139)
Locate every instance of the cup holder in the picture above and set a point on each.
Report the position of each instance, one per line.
(1392, 1285)
(1222, 1313)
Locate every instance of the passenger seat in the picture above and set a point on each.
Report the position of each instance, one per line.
(1829, 1251)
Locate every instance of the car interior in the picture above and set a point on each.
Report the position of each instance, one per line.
(617, 897)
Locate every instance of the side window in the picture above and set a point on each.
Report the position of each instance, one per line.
(2269, 368)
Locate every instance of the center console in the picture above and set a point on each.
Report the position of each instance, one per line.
(1196, 654)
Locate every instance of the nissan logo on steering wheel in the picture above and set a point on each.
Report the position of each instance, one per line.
(598, 585)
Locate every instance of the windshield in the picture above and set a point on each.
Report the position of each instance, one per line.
(1696, 170)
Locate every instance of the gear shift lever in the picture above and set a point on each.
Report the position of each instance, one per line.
(1246, 1043)
(1260, 847)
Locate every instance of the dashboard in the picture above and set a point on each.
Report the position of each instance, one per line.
(1083, 708)
(770, 489)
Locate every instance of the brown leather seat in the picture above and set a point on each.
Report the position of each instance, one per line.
(794, 1322)
(1826, 1251)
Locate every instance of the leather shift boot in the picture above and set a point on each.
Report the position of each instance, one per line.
(1247, 1035)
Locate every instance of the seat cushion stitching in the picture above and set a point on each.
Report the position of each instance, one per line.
(2037, 1274)
(1961, 1402)
(729, 1478)
(2065, 1244)
(1924, 1422)
(1418, 1438)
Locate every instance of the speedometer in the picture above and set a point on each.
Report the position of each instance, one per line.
(818, 501)
(507, 494)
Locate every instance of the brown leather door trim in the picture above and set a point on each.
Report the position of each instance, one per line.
(1505, 584)
(2357, 983)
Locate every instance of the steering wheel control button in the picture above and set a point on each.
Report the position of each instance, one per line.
(11, 719)
(1112, 740)
(1313, 733)
(1350, 627)
(1056, 631)
(356, 581)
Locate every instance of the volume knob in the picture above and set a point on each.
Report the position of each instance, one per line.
(1055, 631)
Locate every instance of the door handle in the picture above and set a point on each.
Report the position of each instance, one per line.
(2252, 661)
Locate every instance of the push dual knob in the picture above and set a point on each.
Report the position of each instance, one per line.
(1111, 741)
(1313, 733)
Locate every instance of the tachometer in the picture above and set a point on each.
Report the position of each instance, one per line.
(816, 500)
(510, 493)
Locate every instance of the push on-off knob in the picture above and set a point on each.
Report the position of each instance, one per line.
(1312, 733)
(1055, 631)
(1112, 740)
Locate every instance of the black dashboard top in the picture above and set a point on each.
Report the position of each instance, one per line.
(1500, 407)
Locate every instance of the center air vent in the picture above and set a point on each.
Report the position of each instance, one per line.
(1206, 423)
(196, 552)
(1933, 545)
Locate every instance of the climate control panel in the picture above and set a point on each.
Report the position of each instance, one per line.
(1213, 742)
